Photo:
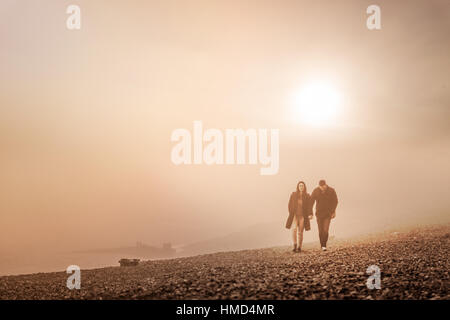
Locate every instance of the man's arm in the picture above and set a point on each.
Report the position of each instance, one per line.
(309, 209)
(335, 201)
(313, 200)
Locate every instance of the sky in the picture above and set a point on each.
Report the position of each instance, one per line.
(86, 116)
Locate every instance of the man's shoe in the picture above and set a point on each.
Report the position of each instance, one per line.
(295, 248)
(324, 248)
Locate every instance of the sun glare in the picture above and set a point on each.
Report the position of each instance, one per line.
(317, 104)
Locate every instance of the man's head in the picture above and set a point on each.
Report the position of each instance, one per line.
(323, 185)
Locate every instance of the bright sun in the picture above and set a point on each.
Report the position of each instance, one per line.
(317, 104)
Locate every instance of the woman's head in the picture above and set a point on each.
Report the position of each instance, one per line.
(301, 187)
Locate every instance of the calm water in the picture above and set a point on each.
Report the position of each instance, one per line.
(13, 264)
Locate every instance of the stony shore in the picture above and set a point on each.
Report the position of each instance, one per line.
(413, 264)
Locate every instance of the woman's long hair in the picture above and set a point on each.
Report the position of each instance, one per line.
(305, 192)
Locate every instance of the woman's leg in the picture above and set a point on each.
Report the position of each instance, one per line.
(294, 232)
(301, 225)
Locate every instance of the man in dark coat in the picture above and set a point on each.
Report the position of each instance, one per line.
(326, 202)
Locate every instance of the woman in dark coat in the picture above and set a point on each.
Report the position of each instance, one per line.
(300, 212)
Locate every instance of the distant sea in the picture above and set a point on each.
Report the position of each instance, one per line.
(35, 262)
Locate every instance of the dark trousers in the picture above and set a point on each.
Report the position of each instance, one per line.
(324, 225)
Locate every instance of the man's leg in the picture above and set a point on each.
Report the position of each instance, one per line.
(326, 227)
(319, 227)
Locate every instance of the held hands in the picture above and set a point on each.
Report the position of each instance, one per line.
(310, 217)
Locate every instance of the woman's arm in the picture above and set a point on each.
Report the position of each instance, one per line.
(291, 203)
(291, 212)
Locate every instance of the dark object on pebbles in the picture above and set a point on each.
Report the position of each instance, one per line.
(129, 262)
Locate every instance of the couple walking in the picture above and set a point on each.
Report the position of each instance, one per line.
(301, 212)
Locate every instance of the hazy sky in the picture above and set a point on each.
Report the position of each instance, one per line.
(86, 116)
